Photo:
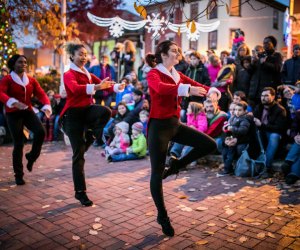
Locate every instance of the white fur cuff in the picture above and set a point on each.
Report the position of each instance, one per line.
(11, 101)
(183, 89)
(90, 89)
(116, 88)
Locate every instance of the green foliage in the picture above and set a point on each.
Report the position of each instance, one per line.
(49, 82)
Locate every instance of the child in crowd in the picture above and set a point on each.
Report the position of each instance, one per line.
(128, 99)
(120, 142)
(231, 110)
(196, 118)
(239, 96)
(144, 117)
(128, 89)
(138, 148)
(237, 137)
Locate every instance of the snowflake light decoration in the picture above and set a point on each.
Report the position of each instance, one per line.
(155, 24)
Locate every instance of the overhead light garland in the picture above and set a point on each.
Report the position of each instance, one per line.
(153, 24)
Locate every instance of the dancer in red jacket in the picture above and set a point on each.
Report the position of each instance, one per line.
(81, 119)
(16, 90)
(167, 86)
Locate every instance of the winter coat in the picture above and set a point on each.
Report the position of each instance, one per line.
(241, 128)
(241, 80)
(199, 123)
(290, 72)
(265, 74)
(277, 120)
(139, 145)
(121, 141)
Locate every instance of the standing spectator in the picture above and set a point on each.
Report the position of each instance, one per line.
(224, 54)
(213, 67)
(48, 122)
(183, 64)
(81, 119)
(266, 70)
(291, 68)
(270, 118)
(166, 85)
(102, 71)
(128, 57)
(115, 57)
(60, 101)
(16, 90)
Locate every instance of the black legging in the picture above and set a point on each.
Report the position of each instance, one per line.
(160, 133)
(80, 124)
(16, 122)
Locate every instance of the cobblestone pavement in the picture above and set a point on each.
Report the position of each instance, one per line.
(207, 212)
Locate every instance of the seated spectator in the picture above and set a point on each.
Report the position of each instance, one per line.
(231, 109)
(291, 165)
(290, 72)
(120, 142)
(128, 99)
(196, 118)
(138, 148)
(122, 112)
(237, 137)
(144, 117)
(133, 115)
(216, 119)
(270, 118)
(239, 96)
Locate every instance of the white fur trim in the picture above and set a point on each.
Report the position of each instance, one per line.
(183, 89)
(84, 70)
(173, 74)
(23, 82)
(11, 101)
(47, 107)
(214, 89)
(116, 88)
(90, 89)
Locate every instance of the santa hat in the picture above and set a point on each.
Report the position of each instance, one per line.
(124, 126)
(138, 126)
(213, 89)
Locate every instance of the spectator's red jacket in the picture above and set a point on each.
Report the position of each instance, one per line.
(13, 89)
(164, 89)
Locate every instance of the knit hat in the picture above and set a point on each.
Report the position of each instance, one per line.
(124, 126)
(127, 98)
(138, 126)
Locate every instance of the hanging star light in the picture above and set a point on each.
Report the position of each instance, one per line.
(155, 24)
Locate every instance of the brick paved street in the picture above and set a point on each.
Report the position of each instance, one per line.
(207, 212)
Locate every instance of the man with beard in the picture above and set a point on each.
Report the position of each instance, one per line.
(270, 118)
(216, 119)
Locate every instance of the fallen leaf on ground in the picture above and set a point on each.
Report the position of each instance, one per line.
(182, 197)
(93, 232)
(211, 224)
(261, 235)
(75, 237)
(250, 182)
(207, 233)
(4, 189)
(192, 190)
(230, 240)
(150, 213)
(201, 208)
(271, 235)
(97, 219)
(201, 242)
(241, 207)
(40, 217)
(45, 206)
(57, 170)
(97, 226)
(231, 227)
(41, 180)
(58, 201)
(243, 239)
(131, 188)
(229, 211)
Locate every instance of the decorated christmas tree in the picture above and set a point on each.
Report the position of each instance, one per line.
(7, 46)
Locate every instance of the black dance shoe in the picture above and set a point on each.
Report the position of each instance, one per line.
(29, 162)
(19, 180)
(173, 167)
(166, 226)
(83, 198)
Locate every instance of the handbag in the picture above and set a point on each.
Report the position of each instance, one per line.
(247, 167)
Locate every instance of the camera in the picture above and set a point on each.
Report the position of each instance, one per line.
(261, 54)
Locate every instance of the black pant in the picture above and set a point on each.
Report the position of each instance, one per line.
(16, 122)
(81, 125)
(160, 132)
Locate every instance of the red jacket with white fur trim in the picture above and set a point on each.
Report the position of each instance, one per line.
(164, 93)
(10, 89)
